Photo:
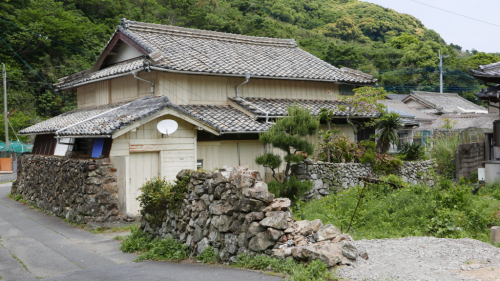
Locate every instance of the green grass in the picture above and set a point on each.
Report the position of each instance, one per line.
(20, 261)
(315, 270)
(153, 249)
(446, 210)
(114, 229)
(208, 256)
(170, 249)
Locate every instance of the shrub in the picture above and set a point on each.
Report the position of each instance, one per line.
(292, 189)
(158, 195)
(412, 151)
(208, 256)
(315, 270)
(443, 152)
(342, 149)
(153, 249)
(445, 210)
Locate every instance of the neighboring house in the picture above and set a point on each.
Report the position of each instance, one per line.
(221, 89)
(416, 124)
(490, 75)
(461, 122)
(438, 104)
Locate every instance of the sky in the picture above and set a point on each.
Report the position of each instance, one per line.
(468, 33)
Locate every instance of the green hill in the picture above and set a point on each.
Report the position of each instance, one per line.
(396, 48)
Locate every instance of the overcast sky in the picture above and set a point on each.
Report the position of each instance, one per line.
(468, 33)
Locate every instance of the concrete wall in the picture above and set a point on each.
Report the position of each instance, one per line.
(468, 158)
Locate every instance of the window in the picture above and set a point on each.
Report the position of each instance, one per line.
(346, 90)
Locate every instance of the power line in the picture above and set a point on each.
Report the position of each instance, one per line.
(456, 13)
(52, 67)
(47, 37)
(19, 81)
(34, 71)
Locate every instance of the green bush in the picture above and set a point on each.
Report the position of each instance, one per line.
(158, 195)
(153, 249)
(443, 152)
(315, 270)
(293, 188)
(209, 255)
(412, 152)
(446, 210)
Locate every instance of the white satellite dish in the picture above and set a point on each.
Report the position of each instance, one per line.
(167, 127)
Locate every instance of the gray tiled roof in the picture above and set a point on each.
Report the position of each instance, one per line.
(225, 117)
(396, 96)
(437, 103)
(67, 119)
(208, 52)
(400, 106)
(87, 76)
(120, 115)
(464, 121)
(489, 69)
(491, 94)
(112, 121)
(278, 107)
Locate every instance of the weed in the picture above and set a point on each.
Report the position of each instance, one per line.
(446, 210)
(315, 270)
(153, 249)
(20, 261)
(209, 255)
(119, 238)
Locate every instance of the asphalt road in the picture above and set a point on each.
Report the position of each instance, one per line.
(34, 246)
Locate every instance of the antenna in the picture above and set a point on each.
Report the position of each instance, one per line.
(167, 127)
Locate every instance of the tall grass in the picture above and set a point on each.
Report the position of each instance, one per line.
(417, 210)
(444, 146)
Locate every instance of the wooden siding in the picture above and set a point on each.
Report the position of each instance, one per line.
(177, 151)
(230, 153)
(143, 166)
(200, 89)
(86, 95)
(205, 89)
(124, 89)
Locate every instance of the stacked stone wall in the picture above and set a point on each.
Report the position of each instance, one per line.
(232, 211)
(331, 177)
(79, 190)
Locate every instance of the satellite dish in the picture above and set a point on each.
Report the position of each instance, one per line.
(167, 127)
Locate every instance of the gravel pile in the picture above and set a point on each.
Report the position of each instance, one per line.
(425, 258)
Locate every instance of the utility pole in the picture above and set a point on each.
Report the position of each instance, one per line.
(441, 71)
(5, 107)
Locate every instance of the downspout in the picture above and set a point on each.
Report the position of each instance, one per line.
(151, 82)
(247, 77)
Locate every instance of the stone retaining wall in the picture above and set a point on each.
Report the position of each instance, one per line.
(328, 177)
(232, 211)
(78, 190)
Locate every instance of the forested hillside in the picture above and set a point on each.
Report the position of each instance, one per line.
(57, 38)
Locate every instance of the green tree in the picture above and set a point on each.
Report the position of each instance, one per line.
(365, 101)
(288, 135)
(481, 58)
(387, 126)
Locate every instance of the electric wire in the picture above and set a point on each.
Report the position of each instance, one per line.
(456, 13)
(47, 37)
(35, 71)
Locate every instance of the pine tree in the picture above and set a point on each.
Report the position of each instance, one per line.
(288, 135)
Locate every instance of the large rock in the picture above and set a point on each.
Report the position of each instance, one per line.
(275, 234)
(202, 245)
(349, 250)
(261, 242)
(327, 232)
(277, 221)
(259, 192)
(255, 228)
